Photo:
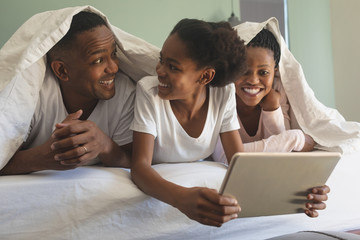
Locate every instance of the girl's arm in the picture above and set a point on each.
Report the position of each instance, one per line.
(232, 143)
(201, 204)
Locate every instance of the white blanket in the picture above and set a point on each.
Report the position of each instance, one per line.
(103, 203)
(23, 64)
(327, 127)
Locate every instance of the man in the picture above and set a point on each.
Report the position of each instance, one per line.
(85, 81)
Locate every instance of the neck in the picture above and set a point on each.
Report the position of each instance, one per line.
(74, 102)
(245, 110)
(191, 106)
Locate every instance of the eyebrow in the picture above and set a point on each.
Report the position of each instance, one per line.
(264, 65)
(101, 50)
(171, 59)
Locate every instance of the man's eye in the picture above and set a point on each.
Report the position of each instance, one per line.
(97, 61)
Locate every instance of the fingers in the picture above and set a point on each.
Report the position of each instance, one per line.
(317, 197)
(218, 209)
(311, 213)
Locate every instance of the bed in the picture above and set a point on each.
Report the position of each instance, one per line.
(95, 202)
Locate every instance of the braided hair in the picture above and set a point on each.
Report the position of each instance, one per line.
(265, 39)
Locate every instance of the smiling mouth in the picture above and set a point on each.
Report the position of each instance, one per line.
(107, 83)
(252, 91)
(164, 85)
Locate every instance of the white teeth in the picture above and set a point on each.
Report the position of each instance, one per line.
(107, 82)
(252, 90)
(164, 85)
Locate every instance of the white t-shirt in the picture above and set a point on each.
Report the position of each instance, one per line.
(154, 115)
(112, 116)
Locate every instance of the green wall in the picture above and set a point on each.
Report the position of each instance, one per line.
(151, 20)
(311, 44)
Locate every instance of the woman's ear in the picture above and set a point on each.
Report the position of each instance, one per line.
(59, 70)
(207, 76)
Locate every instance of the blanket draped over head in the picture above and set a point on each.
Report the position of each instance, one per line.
(23, 65)
(325, 125)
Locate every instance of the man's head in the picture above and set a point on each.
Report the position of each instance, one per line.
(85, 61)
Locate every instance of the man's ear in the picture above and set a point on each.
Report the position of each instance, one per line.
(207, 76)
(59, 70)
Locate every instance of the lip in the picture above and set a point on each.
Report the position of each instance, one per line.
(108, 84)
(162, 85)
(252, 91)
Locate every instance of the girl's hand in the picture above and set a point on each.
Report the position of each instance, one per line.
(271, 101)
(316, 198)
(207, 206)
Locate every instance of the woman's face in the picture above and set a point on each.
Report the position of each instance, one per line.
(257, 82)
(177, 73)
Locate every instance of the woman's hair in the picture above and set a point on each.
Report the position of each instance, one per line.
(215, 45)
(265, 39)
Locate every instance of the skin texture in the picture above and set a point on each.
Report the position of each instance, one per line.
(85, 74)
(184, 85)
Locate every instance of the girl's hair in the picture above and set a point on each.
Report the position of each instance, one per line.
(265, 39)
(215, 45)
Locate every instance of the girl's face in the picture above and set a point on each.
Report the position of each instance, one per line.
(177, 73)
(257, 82)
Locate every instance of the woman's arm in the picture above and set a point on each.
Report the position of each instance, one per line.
(201, 204)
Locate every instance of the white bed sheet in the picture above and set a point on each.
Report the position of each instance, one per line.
(103, 203)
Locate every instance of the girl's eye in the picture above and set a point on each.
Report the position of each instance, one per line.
(172, 67)
(161, 60)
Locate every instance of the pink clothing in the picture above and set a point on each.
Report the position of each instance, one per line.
(271, 136)
(270, 123)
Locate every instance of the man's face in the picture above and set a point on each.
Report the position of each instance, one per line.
(91, 65)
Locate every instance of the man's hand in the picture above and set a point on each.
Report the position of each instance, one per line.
(207, 206)
(78, 141)
(271, 101)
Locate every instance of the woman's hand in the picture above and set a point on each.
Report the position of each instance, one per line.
(309, 144)
(316, 200)
(207, 206)
(271, 101)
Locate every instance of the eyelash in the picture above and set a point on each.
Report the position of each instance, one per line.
(171, 67)
(99, 60)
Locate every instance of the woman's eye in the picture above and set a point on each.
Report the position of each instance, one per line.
(161, 60)
(264, 72)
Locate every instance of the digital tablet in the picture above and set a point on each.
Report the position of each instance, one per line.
(276, 183)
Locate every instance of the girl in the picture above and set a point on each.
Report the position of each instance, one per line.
(180, 115)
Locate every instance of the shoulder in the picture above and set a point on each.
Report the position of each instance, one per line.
(223, 93)
(148, 86)
(124, 84)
